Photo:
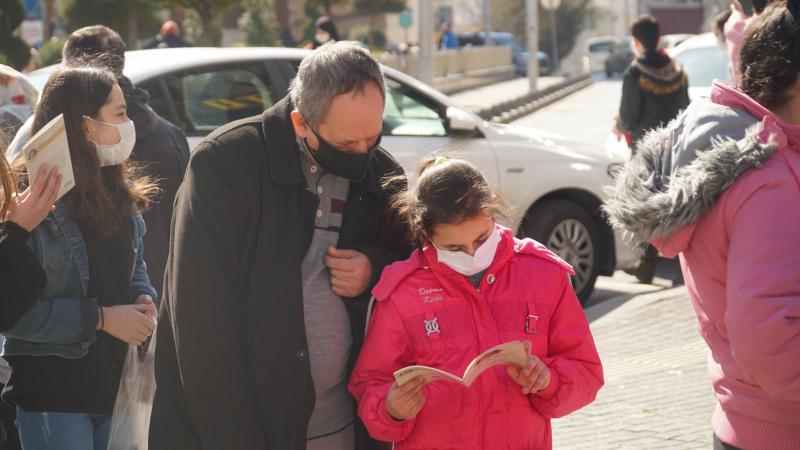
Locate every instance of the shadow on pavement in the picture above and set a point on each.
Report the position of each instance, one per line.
(611, 293)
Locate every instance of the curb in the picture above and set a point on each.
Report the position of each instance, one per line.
(511, 110)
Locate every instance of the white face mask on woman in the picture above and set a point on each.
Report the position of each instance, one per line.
(470, 265)
(322, 37)
(116, 154)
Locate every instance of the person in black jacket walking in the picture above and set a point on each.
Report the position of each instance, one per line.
(282, 226)
(655, 87)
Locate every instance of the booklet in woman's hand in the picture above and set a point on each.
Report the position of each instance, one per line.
(49, 146)
(514, 352)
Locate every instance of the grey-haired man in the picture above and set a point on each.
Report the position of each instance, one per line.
(282, 226)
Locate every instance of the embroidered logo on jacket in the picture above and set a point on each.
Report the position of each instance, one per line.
(432, 326)
(431, 295)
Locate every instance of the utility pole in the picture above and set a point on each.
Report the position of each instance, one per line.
(532, 15)
(426, 50)
(487, 23)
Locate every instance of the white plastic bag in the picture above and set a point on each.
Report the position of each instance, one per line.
(130, 422)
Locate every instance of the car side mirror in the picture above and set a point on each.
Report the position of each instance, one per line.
(460, 120)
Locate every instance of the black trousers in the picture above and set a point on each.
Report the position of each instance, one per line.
(719, 445)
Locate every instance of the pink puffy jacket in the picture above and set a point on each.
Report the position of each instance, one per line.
(525, 295)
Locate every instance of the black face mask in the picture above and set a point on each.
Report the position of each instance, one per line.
(352, 166)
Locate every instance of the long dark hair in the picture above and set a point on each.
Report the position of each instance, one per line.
(770, 56)
(7, 183)
(448, 191)
(102, 196)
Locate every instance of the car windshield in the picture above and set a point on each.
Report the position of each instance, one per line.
(704, 65)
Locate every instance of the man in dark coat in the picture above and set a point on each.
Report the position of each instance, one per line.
(655, 87)
(654, 90)
(282, 226)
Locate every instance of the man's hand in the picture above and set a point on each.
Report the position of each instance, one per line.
(406, 401)
(350, 272)
(534, 377)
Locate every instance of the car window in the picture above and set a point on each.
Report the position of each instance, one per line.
(408, 114)
(601, 47)
(207, 98)
(704, 65)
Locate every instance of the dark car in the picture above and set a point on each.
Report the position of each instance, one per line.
(519, 56)
(621, 56)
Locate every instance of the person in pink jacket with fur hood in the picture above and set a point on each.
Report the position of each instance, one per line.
(720, 187)
(470, 287)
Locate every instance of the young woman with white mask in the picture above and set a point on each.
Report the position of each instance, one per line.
(67, 350)
(472, 285)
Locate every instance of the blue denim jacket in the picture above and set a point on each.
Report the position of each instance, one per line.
(63, 321)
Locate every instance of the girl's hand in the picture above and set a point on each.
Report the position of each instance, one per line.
(534, 377)
(30, 208)
(129, 323)
(147, 300)
(406, 401)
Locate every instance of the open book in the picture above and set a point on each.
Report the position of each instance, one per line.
(514, 352)
(49, 146)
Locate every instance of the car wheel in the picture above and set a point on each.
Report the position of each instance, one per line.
(568, 230)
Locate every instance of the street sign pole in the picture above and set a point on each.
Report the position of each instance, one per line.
(552, 6)
(487, 23)
(426, 41)
(532, 15)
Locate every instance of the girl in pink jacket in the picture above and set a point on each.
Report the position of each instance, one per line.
(471, 286)
(720, 187)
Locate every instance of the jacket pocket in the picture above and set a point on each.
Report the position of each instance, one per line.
(525, 320)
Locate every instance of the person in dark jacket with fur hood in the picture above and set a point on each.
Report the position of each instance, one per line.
(655, 87)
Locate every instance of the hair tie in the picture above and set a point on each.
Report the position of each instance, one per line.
(440, 160)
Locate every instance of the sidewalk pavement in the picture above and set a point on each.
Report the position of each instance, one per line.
(476, 99)
(657, 393)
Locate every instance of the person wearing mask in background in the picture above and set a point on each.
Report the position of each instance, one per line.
(324, 31)
(654, 90)
(281, 228)
(169, 37)
(735, 29)
(67, 350)
(22, 279)
(161, 147)
(720, 187)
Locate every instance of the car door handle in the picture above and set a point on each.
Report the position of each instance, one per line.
(515, 170)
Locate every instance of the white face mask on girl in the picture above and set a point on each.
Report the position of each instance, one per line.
(116, 154)
(470, 265)
(322, 37)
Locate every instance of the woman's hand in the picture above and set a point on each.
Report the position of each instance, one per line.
(129, 323)
(534, 377)
(147, 300)
(30, 208)
(406, 401)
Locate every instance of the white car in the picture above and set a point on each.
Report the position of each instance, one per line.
(555, 187)
(704, 61)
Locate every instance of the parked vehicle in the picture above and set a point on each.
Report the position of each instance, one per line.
(620, 57)
(519, 55)
(554, 186)
(670, 41)
(704, 61)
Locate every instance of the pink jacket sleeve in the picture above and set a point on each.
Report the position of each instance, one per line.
(763, 285)
(576, 373)
(386, 349)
